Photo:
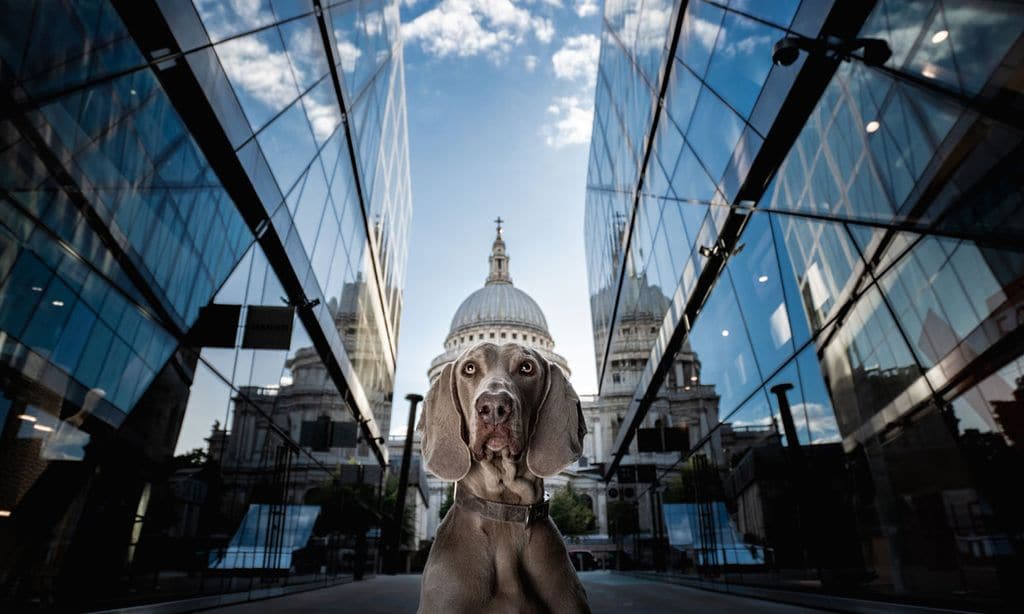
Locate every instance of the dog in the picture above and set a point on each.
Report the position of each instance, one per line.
(497, 421)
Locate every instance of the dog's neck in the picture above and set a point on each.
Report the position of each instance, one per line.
(501, 478)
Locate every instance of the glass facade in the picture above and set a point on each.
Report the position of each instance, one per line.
(840, 246)
(205, 211)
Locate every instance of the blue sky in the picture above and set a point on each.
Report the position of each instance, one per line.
(499, 97)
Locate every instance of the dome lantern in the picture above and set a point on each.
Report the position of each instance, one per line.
(498, 260)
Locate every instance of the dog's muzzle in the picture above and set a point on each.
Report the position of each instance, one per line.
(494, 408)
(497, 424)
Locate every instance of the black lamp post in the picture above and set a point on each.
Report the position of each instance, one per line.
(398, 515)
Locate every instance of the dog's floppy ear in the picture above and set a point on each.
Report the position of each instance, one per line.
(444, 449)
(558, 428)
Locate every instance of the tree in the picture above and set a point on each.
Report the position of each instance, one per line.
(449, 500)
(195, 457)
(408, 527)
(622, 519)
(571, 512)
(349, 509)
(697, 480)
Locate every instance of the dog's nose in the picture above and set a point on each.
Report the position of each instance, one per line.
(494, 407)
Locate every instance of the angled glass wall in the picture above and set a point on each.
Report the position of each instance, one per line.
(839, 245)
(201, 268)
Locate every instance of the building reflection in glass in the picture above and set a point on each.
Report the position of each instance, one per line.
(200, 283)
(858, 252)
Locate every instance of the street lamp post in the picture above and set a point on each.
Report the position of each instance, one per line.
(398, 515)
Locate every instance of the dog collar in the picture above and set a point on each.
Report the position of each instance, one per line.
(503, 512)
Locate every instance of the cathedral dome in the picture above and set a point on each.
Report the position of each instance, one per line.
(498, 313)
(499, 305)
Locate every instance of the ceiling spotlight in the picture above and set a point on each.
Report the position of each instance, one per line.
(693, 378)
(43, 428)
(725, 332)
(762, 278)
(36, 289)
(27, 418)
(872, 126)
(686, 387)
(940, 36)
(5, 513)
(57, 303)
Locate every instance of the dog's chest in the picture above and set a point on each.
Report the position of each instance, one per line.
(499, 478)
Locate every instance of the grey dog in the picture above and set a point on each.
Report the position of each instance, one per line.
(497, 421)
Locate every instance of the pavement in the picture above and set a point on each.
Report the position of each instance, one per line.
(608, 592)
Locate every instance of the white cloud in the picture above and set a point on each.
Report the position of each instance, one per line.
(348, 53)
(586, 8)
(224, 18)
(530, 62)
(572, 124)
(263, 74)
(372, 24)
(577, 59)
(544, 30)
(705, 31)
(648, 28)
(324, 116)
(466, 28)
(266, 76)
(575, 62)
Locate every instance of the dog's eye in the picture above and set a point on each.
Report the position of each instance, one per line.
(526, 368)
(469, 369)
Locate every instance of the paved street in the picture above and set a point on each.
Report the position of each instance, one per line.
(608, 593)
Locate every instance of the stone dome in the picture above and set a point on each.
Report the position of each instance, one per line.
(499, 305)
(498, 313)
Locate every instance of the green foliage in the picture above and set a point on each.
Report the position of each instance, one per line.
(195, 457)
(571, 512)
(679, 488)
(696, 481)
(345, 508)
(408, 512)
(449, 500)
(622, 518)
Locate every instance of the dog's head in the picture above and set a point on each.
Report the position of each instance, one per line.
(501, 399)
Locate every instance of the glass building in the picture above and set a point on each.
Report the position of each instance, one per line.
(840, 242)
(205, 210)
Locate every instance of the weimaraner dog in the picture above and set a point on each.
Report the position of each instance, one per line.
(498, 420)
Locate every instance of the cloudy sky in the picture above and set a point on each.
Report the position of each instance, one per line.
(500, 105)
